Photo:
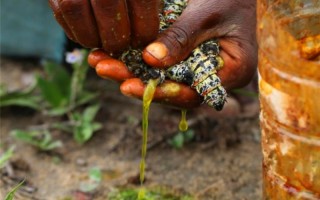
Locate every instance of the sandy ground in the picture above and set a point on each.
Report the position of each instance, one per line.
(223, 161)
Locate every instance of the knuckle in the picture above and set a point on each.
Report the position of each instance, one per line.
(177, 37)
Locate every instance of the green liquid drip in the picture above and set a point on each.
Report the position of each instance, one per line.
(141, 194)
(183, 125)
(147, 98)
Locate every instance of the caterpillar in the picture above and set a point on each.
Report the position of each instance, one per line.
(199, 70)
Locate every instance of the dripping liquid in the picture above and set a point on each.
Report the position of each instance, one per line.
(147, 98)
(183, 125)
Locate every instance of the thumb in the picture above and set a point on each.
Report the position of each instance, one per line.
(177, 42)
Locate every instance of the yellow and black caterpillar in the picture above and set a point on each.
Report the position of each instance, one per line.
(198, 70)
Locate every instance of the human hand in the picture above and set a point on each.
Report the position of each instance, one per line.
(169, 92)
(111, 25)
(231, 21)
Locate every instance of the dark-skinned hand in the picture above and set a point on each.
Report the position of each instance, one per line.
(101, 24)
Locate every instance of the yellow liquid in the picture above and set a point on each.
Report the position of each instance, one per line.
(141, 194)
(183, 125)
(147, 98)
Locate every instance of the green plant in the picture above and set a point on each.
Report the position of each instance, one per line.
(181, 138)
(39, 139)
(150, 194)
(6, 156)
(95, 178)
(58, 93)
(82, 125)
(24, 98)
(63, 93)
(10, 194)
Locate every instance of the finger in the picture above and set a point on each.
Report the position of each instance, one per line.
(200, 21)
(240, 63)
(96, 56)
(113, 69)
(80, 19)
(177, 42)
(59, 17)
(113, 23)
(144, 18)
(171, 93)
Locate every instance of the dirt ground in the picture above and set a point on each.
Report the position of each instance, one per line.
(222, 162)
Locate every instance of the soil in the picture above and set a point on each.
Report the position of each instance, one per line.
(223, 161)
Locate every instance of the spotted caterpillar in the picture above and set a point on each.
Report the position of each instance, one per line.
(198, 70)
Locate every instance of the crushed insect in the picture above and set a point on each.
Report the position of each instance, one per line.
(199, 70)
(202, 66)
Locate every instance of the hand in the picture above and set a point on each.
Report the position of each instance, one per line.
(111, 25)
(171, 93)
(233, 22)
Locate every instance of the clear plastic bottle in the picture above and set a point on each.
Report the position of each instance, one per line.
(289, 81)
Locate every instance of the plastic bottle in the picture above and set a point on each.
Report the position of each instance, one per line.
(289, 81)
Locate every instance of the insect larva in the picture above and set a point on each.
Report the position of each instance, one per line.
(202, 65)
(198, 70)
(133, 60)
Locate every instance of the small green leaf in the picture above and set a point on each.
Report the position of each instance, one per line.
(3, 90)
(24, 98)
(41, 140)
(26, 136)
(188, 135)
(96, 126)
(59, 76)
(181, 138)
(85, 97)
(95, 174)
(76, 117)
(64, 127)
(90, 112)
(177, 141)
(59, 111)
(83, 133)
(52, 145)
(51, 93)
(30, 102)
(10, 195)
(6, 156)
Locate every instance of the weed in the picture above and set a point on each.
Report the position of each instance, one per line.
(24, 98)
(95, 178)
(150, 194)
(6, 156)
(10, 194)
(39, 139)
(180, 139)
(58, 93)
(82, 124)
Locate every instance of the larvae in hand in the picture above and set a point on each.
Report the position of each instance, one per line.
(199, 70)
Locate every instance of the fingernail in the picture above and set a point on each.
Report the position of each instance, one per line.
(157, 50)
